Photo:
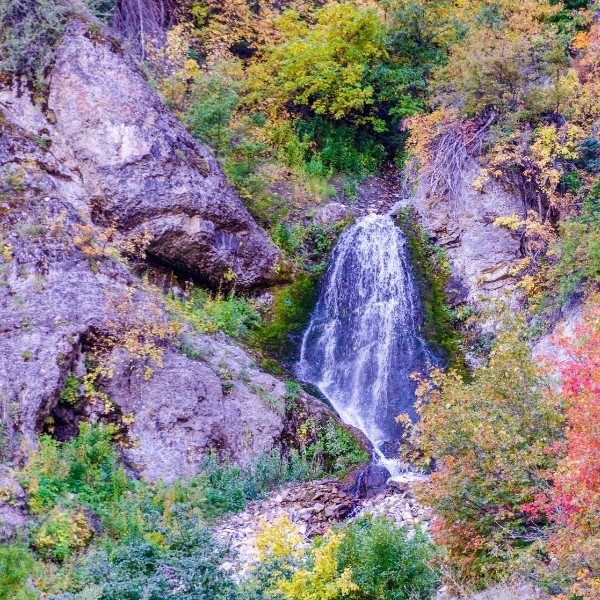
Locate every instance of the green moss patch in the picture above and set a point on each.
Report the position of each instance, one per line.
(431, 270)
(280, 336)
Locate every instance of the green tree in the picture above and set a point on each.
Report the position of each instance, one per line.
(215, 96)
(327, 67)
(510, 59)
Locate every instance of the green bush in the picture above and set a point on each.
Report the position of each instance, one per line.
(288, 239)
(30, 31)
(340, 147)
(320, 240)
(227, 488)
(366, 559)
(85, 470)
(17, 564)
(215, 99)
(337, 448)
(234, 315)
(572, 263)
(61, 533)
(70, 392)
(386, 562)
(182, 562)
(4, 443)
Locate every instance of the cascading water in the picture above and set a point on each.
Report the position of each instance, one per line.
(363, 340)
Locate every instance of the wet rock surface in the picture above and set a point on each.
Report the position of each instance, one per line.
(371, 480)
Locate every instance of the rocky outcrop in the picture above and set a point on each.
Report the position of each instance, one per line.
(218, 402)
(13, 501)
(69, 302)
(141, 172)
(480, 253)
(59, 305)
(331, 213)
(549, 349)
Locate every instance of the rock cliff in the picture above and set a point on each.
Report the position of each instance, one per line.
(67, 298)
(139, 170)
(480, 253)
(82, 181)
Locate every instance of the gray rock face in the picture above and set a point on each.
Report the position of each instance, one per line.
(144, 173)
(12, 505)
(480, 253)
(331, 213)
(188, 407)
(67, 295)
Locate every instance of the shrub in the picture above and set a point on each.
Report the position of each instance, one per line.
(70, 393)
(341, 147)
(575, 256)
(17, 564)
(87, 467)
(321, 578)
(288, 239)
(387, 563)
(30, 31)
(493, 458)
(337, 448)
(215, 98)
(61, 533)
(571, 555)
(236, 316)
(185, 565)
(320, 239)
(368, 559)
(227, 488)
(4, 443)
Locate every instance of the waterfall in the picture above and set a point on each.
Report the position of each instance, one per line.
(363, 341)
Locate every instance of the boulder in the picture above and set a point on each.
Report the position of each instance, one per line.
(144, 173)
(331, 213)
(372, 480)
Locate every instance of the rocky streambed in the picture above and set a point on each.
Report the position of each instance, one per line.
(314, 507)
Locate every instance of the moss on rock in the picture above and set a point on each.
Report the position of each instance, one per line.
(431, 270)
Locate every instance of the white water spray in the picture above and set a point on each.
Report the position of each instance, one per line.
(363, 340)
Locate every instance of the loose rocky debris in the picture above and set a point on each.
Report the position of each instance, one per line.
(313, 507)
(397, 504)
